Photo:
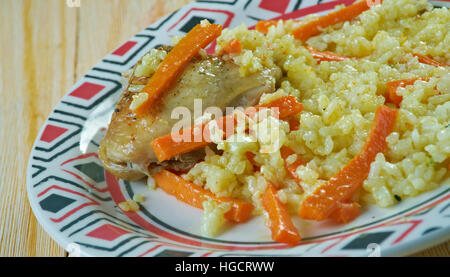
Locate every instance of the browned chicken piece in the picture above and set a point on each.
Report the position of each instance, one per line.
(125, 151)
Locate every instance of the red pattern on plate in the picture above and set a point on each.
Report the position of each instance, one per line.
(107, 232)
(51, 132)
(225, 24)
(122, 50)
(87, 90)
(278, 6)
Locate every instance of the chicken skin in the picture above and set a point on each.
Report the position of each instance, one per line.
(125, 150)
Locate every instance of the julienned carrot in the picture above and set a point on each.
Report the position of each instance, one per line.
(280, 222)
(326, 55)
(427, 60)
(194, 195)
(291, 168)
(287, 106)
(171, 145)
(313, 28)
(174, 144)
(345, 212)
(186, 49)
(233, 47)
(391, 89)
(264, 25)
(251, 158)
(294, 124)
(340, 188)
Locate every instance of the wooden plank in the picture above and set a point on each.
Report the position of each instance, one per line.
(38, 66)
(36, 69)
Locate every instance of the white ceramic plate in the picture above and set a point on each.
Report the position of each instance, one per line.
(75, 200)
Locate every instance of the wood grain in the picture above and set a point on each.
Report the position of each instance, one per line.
(441, 250)
(36, 69)
(45, 47)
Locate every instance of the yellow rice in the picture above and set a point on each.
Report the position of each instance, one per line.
(339, 100)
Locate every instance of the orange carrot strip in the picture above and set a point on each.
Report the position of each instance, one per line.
(291, 168)
(264, 25)
(294, 124)
(427, 60)
(391, 93)
(166, 147)
(287, 106)
(345, 212)
(280, 223)
(233, 47)
(326, 55)
(251, 158)
(194, 195)
(313, 28)
(323, 201)
(186, 49)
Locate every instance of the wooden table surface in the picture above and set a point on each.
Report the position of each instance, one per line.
(45, 47)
